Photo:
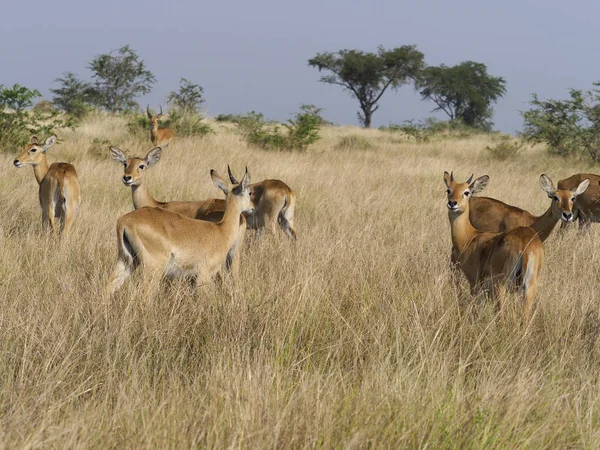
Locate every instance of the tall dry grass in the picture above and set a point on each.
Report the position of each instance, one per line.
(352, 337)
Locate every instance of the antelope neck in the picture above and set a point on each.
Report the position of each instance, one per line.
(461, 229)
(544, 224)
(141, 197)
(40, 170)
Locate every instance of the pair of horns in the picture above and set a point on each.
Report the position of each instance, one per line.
(150, 114)
(231, 177)
(468, 181)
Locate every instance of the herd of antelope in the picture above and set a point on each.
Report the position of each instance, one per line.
(495, 245)
(192, 239)
(498, 246)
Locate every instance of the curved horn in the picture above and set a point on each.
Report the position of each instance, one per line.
(470, 179)
(231, 177)
(160, 114)
(148, 112)
(451, 176)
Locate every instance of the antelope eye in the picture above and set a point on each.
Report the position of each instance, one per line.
(572, 199)
(447, 191)
(555, 198)
(141, 166)
(467, 193)
(33, 150)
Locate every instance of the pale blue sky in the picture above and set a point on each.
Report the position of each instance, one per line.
(252, 55)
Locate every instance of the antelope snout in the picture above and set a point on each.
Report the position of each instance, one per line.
(17, 163)
(567, 216)
(452, 205)
(127, 181)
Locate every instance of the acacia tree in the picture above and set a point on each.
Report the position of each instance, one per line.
(120, 76)
(188, 97)
(566, 126)
(368, 75)
(464, 92)
(74, 96)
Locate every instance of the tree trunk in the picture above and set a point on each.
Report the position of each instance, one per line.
(367, 113)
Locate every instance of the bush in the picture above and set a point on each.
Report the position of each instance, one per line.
(44, 106)
(354, 142)
(508, 147)
(18, 121)
(425, 130)
(185, 124)
(188, 124)
(302, 131)
(99, 148)
(566, 127)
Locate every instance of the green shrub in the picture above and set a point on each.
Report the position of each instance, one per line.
(569, 126)
(354, 142)
(99, 148)
(508, 147)
(18, 121)
(185, 124)
(425, 130)
(45, 107)
(301, 131)
(188, 124)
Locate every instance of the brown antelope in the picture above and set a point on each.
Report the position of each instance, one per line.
(211, 210)
(587, 206)
(59, 191)
(493, 261)
(488, 214)
(274, 202)
(159, 136)
(159, 240)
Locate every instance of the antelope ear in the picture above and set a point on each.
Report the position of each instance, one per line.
(153, 156)
(479, 184)
(49, 143)
(118, 155)
(582, 187)
(34, 140)
(246, 180)
(547, 185)
(219, 181)
(447, 179)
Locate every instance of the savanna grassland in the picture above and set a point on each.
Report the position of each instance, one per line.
(352, 337)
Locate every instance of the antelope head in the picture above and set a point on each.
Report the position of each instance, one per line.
(34, 152)
(460, 193)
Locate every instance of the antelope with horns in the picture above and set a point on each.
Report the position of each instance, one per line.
(493, 261)
(168, 243)
(59, 190)
(211, 210)
(274, 203)
(159, 136)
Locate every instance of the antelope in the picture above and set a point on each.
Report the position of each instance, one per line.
(587, 206)
(492, 261)
(59, 191)
(274, 202)
(488, 214)
(211, 210)
(164, 241)
(158, 136)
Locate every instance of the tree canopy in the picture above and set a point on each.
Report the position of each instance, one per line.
(464, 92)
(73, 96)
(188, 97)
(368, 75)
(119, 77)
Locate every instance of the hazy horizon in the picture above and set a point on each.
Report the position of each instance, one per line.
(253, 56)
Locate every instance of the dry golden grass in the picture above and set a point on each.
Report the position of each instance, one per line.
(352, 337)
